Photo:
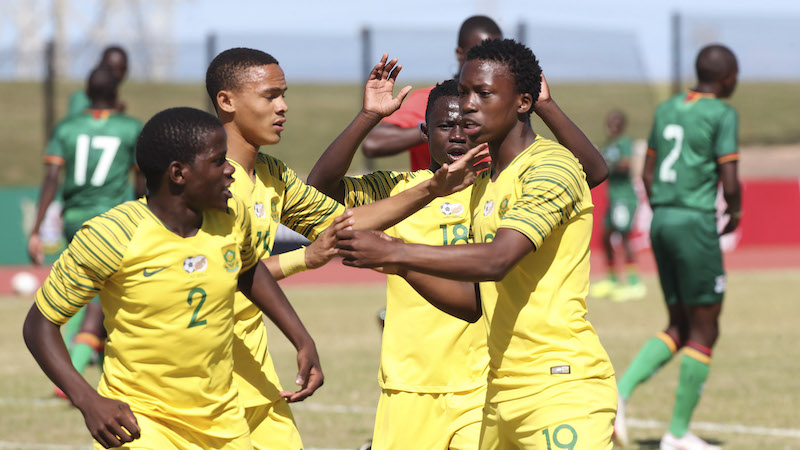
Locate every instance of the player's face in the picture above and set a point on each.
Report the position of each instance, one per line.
(729, 84)
(117, 63)
(446, 137)
(614, 125)
(260, 105)
(210, 174)
(489, 101)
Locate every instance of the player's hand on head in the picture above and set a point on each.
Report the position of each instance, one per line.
(378, 92)
(323, 249)
(309, 374)
(544, 93)
(457, 176)
(110, 421)
(36, 249)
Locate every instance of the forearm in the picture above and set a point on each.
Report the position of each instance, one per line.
(472, 263)
(260, 287)
(388, 140)
(571, 137)
(731, 188)
(45, 343)
(387, 212)
(457, 298)
(332, 166)
(46, 196)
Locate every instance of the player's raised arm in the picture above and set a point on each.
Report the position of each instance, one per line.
(260, 287)
(571, 137)
(379, 102)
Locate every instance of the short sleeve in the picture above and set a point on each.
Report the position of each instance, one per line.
(551, 195)
(80, 273)
(247, 244)
(726, 140)
(412, 111)
(78, 102)
(652, 140)
(55, 148)
(371, 187)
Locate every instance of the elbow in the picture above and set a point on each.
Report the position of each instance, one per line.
(471, 316)
(497, 268)
(598, 176)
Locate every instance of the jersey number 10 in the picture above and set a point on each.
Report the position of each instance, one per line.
(107, 144)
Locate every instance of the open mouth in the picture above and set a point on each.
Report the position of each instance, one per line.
(279, 125)
(470, 127)
(457, 152)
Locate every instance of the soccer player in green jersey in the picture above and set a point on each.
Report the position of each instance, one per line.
(550, 382)
(166, 268)
(247, 87)
(693, 146)
(115, 59)
(622, 202)
(95, 150)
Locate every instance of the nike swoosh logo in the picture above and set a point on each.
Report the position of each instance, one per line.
(150, 274)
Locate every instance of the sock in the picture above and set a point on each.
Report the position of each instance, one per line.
(633, 276)
(694, 371)
(654, 354)
(73, 326)
(81, 353)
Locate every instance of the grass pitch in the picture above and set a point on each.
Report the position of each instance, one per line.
(752, 383)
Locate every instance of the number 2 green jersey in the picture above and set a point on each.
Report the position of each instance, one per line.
(97, 149)
(692, 134)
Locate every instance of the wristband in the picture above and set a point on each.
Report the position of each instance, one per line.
(293, 262)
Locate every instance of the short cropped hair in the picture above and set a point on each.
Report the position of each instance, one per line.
(714, 62)
(113, 49)
(225, 71)
(175, 134)
(102, 85)
(476, 24)
(448, 88)
(519, 59)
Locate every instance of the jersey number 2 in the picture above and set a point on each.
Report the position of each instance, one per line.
(672, 132)
(109, 146)
(194, 322)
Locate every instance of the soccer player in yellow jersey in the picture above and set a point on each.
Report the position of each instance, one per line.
(550, 382)
(247, 87)
(166, 268)
(430, 361)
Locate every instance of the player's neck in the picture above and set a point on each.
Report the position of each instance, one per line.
(241, 151)
(505, 150)
(707, 88)
(175, 213)
(102, 104)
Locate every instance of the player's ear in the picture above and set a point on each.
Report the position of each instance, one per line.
(525, 103)
(225, 101)
(176, 172)
(460, 55)
(423, 129)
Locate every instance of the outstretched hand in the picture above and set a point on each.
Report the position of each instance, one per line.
(309, 374)
(110, 421)
(323, 249)
(378, 97)
(451, 178)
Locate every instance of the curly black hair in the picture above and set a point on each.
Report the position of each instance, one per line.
(519, 59)
(175, 134)
(226, 69)
(448, 88)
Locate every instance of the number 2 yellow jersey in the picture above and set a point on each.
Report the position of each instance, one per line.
(277, 196)
(535, 316)
(168, 305)
(424, 349)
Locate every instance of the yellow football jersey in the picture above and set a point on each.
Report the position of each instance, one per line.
(277, 196)
(168, 305)
(424, 349)
(535, 316)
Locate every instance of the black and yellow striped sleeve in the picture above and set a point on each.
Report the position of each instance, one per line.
(95, 253)
(371, 187)
(247, 250)
(551, 194)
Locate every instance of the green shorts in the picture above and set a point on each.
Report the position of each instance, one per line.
(619, 217)
(686, 247)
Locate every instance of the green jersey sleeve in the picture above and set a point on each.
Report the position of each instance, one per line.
(726, 140)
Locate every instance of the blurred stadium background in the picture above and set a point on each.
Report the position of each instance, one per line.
(48, 47)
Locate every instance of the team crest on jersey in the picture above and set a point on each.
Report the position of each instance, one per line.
(274, 210)
(231, 257)
(449, 209)
(259, 209)
(488, 207)
(195, 264)
(503, 206)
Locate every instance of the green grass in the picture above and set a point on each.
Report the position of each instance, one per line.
(317, 113)
(753, 381)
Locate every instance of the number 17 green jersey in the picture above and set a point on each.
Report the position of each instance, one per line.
(98, 150)
(692, 134)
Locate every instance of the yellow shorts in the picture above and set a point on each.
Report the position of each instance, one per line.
(156, 435)
(575, 415)
(272, 426)
(409, 420)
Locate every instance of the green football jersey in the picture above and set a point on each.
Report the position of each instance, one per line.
(98, 150)
(618, 152)
(692, 133)
(78, 103)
